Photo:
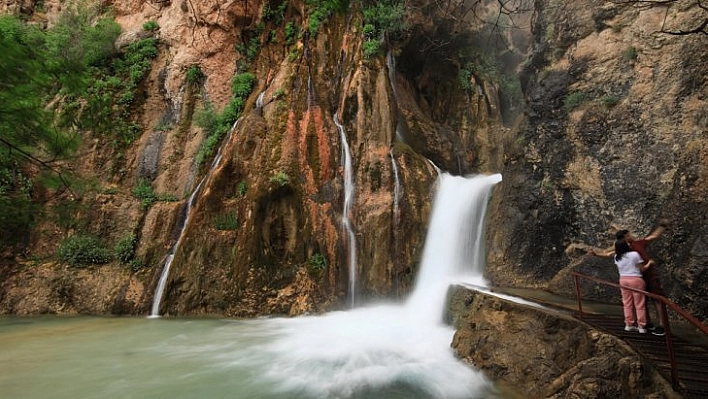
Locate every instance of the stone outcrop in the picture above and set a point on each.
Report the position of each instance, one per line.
(546, 353)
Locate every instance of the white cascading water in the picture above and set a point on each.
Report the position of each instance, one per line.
(348, 196)
(396, 186)
(159, 291)
(454, 246)
(259, 100)
(372, 349)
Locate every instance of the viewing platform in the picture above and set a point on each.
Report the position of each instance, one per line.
(681, 355)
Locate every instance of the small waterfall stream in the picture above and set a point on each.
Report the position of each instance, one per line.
(159, 291)
(348, 196)
(396, 186)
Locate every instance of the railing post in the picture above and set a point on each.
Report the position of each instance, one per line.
(669, 346)
(577, 294)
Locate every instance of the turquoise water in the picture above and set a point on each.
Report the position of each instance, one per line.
(86, 357)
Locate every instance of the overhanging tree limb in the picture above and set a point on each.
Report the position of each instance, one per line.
(39, 162)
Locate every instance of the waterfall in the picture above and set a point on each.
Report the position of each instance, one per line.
(259, 100)
(159, 291)
(454, 245)
(391, 66)
(397, 184)
(348, 195)
(401, 349)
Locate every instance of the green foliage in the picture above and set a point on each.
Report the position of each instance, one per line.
(162, 127)
(136, 264)
(276, 14)
(151, 25)
(195, 74)
(242, 84)
(278, 93)
(226, 221)
(387, 16)
(281, 178)
(83, 250)
(610, 100)
(317, 264)
(382, 18)
(144, 192)
(573, 100)
(242, 189)
(290, 33)
(630, 53)
(320, 10)
(217, 125)
(371, 48)
(124, 250)
(465, 77)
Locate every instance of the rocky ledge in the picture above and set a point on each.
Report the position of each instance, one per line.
(546, 353)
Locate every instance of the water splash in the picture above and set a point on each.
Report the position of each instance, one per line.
(162, 282)
(454, 245)
(348, 196)
(365, 351)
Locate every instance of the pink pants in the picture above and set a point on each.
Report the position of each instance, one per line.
(633, 301)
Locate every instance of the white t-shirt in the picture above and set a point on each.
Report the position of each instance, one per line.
(629, 264)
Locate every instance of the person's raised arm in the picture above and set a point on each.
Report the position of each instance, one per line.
(657, 231)
(605, 253)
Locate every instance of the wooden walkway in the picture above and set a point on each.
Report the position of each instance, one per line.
(691, 357)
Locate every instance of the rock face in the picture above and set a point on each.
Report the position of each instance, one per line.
(612, 135)
(547, 354)
(280, 174)
(614, 138)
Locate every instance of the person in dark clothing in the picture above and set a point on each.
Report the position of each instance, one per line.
(650, 275)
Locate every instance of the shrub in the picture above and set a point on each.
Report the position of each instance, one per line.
(195, 74)
(317, 264)
(290, 33)
(136, 264)
(125, 249)
(573, 100)
(610, 100)
(630, 53)
(371, 48)
(242, 189)
(226, 221)
(151, 26)
(144, 192)
(281, 178)
(83, 250)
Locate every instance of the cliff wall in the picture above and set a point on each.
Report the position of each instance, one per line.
(612, 135)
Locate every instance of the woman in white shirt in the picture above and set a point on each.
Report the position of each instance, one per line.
(630, 265)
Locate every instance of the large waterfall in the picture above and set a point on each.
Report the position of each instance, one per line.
(391, 351)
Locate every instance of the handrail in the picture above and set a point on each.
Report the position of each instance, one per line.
(664, 317)
(675, 307)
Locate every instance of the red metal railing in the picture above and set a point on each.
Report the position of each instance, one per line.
(664, 316)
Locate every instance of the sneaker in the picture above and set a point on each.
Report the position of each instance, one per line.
(630, 328)
(642, 330)
(659, 331)
(650, 327)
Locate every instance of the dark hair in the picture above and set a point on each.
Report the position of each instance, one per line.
(620, 235)
(621, 248)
